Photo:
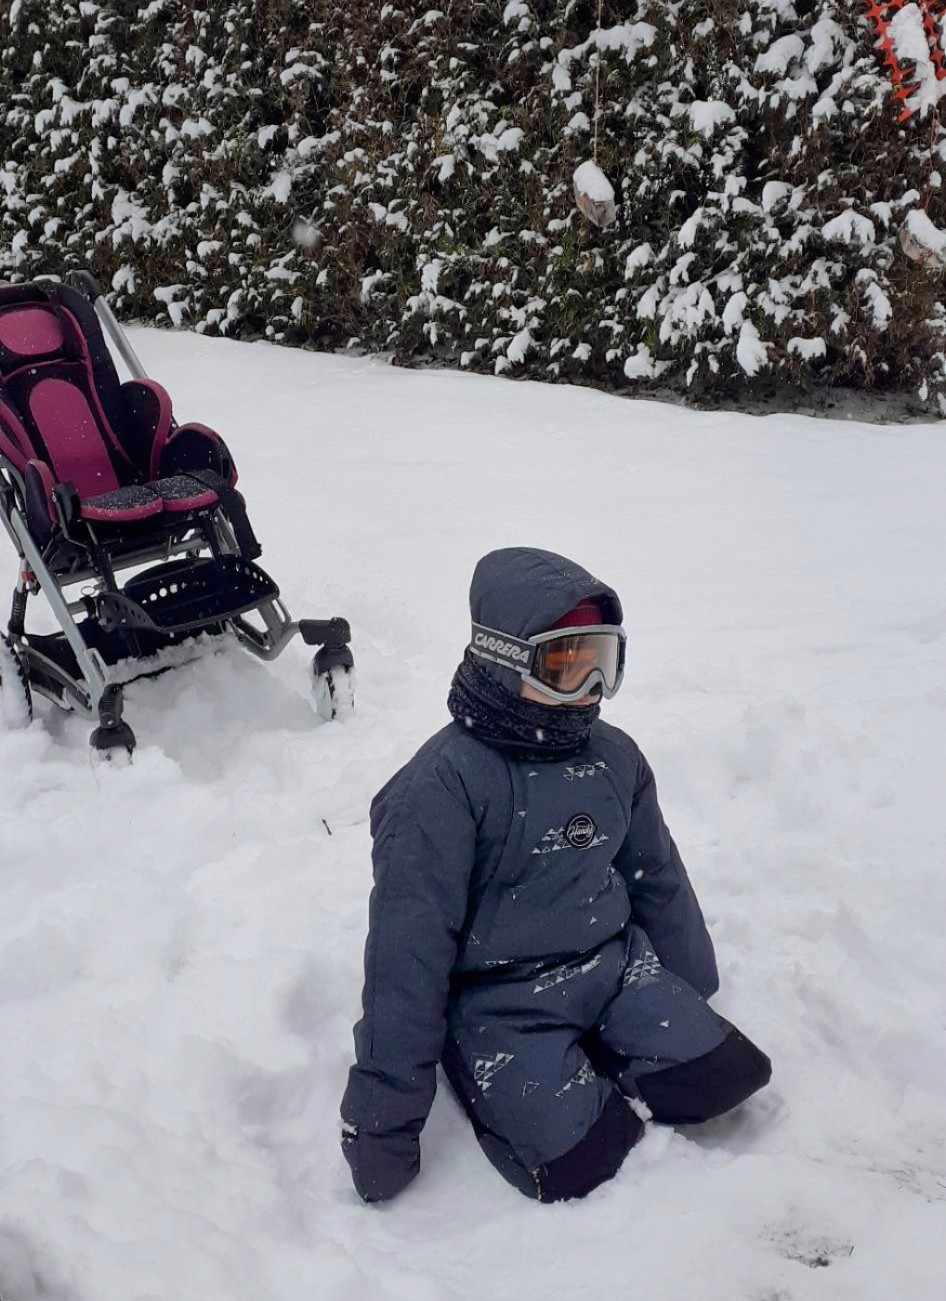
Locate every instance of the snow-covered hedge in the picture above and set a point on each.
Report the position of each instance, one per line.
(400, 178)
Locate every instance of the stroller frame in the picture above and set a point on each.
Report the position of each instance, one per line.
(202, 580)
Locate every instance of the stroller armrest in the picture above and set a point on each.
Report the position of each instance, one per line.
(43, 515)
(194, 447)
(51, 508)
(149, 423)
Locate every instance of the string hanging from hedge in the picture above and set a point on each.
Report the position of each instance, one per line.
(594, 193)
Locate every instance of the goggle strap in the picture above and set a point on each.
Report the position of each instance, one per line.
(501, 648)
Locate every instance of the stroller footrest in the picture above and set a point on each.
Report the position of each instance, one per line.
(186, 594)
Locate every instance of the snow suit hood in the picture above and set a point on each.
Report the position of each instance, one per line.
(524, 590)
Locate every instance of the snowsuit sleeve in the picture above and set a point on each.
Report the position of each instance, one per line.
(424, 836)
(662, 898)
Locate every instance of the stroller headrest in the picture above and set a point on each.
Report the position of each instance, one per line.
(29, 332)
(31, 326)
(58, 384)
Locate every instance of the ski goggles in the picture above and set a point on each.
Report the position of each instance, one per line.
(565, 663)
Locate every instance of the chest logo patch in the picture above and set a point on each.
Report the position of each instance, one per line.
(580, 832)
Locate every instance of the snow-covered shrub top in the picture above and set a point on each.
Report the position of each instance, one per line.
(400, 178)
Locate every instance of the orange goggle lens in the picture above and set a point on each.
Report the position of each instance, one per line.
(566, 662)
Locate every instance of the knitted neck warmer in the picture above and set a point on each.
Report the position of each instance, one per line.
(522, 728)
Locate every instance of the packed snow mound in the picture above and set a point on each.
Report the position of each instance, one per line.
(181, 941)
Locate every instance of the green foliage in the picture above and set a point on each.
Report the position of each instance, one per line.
(400, 179)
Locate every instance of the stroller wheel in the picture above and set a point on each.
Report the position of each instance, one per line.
(334, 692)
(16, 701)
(116, 756)
(113, 739)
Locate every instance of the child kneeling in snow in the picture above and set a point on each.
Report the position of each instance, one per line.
(532, 925)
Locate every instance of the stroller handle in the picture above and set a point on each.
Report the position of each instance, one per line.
(90, 288)
(86, 284)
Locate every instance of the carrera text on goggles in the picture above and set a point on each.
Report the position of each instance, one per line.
(564, 663)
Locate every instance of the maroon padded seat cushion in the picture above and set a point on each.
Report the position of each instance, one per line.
(122, 505)
(73, 436)
(30, 331)
(179, 492)
(176, 493)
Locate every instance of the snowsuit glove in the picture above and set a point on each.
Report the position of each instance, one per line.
(381, 1164)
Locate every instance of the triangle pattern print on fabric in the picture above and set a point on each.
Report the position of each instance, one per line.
(484, 1068)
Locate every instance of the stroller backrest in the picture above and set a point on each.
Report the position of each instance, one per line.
(60, 399)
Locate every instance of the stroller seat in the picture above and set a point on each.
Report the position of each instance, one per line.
(179, 492)
(97, 478)
(66, 420)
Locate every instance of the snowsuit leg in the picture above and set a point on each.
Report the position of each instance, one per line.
(548, 1122)
(660, 1041)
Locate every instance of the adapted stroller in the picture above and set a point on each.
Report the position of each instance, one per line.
(95, 479)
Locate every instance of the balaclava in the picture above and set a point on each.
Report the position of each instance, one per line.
(523, 591)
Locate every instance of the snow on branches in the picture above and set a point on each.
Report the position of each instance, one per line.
(397, 178)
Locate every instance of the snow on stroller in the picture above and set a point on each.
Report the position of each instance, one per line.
(95, 479)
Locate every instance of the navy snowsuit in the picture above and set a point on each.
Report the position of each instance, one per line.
(532, 926)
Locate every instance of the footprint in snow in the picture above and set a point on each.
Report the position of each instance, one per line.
(817, 1251)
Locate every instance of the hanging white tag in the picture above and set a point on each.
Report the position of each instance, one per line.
(922, 241)
(594, 194)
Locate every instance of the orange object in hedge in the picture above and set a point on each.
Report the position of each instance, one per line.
(931, 11)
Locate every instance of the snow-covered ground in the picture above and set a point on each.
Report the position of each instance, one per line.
(180, 941)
